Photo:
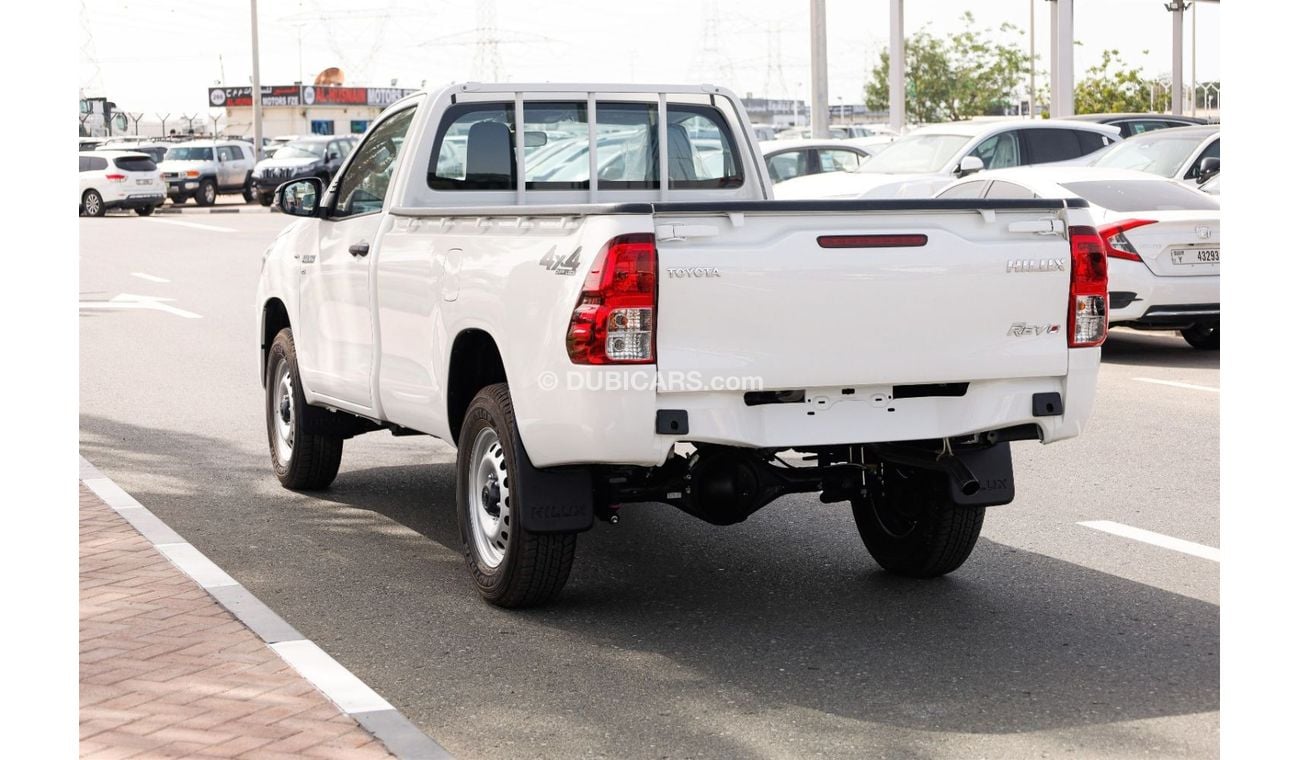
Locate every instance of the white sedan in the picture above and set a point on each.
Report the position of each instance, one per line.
(1161, 238)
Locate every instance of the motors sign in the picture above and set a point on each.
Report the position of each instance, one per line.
(306, 95)
(272, 95)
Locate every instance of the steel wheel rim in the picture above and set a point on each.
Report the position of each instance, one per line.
(283, 411)
(92, 204)
(209, 193)
(489, 498)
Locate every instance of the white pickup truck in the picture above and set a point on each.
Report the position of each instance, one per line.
(595, 328)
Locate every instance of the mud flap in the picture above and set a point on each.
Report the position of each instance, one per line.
(555, 500)
(992, 468)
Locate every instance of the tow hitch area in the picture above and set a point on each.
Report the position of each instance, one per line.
(723, 485)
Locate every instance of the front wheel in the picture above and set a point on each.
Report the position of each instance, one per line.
(207, 193)
(511, 567)
(912, 527)
(1204, 337)
(302, 460)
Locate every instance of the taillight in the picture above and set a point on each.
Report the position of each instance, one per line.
(1087, 320)
(1117, 245)
(613, 322)
(115, 177)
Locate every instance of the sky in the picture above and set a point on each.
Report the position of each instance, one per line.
(159, 56)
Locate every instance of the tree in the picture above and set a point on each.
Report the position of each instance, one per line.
(963, 75)
(1118, 90)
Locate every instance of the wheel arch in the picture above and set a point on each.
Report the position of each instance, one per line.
(275, 317)
(475, 363)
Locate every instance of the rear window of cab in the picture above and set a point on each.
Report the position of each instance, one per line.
(475, 147)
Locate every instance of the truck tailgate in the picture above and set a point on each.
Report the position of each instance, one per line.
(920, 294)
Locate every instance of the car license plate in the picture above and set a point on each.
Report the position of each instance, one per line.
(1197, 256)
(144, 182)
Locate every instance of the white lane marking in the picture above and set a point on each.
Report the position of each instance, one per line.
(196, 565)
(129, 301)
(149, 277)
(1171, 383)
(195, 225)
(325, 673)
(1156, 539)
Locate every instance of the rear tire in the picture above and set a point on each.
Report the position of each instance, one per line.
(92, 203)
(1202, 337)
(265, 200)
(511, 567)
(179, 200)
(248, 191)
(302, 461)
(145, 210)
(207, 193)
(914, 529)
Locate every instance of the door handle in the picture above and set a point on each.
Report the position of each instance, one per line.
(359, 249)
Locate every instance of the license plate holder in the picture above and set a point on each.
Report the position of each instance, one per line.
(1193, 256)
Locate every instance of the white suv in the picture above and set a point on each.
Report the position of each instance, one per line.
(119, 179)
(202, 168)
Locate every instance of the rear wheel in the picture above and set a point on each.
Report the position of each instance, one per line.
(1204, 337)
(302, 460)
(914, 529)
(207, 194)
(265, 199)
(92, 203)
(145, 210)
(248, 191)
(511, 567)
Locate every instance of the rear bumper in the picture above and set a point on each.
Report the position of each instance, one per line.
(136, 201)
(619, 426)
(1141, 299)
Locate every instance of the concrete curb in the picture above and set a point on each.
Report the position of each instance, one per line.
(350, 694)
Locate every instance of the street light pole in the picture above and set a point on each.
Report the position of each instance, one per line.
(897, 66)
(820, 90)
(1033, 59)
(257, 91)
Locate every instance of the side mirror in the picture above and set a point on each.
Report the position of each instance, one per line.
(300, 197)
(332, 156)
(1208, 167)
(970, 165)
(534, 139)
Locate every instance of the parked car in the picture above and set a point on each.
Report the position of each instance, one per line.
(787, 159)
(921, 163)
(119, 179)
(200, 169)
(1187, 154)
(567, 335)
(1140, 123)
(765, 131)
(304, 157)
(154, 149)
(90, 143)
(1161, 239)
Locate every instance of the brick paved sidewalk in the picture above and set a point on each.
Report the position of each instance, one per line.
(167, 672)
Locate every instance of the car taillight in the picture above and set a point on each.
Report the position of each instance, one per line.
(613, 321)
(1117, 245)
(192, 173)
(1088, 305)
(115, 177)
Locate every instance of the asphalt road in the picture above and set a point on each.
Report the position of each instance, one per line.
(774, 638)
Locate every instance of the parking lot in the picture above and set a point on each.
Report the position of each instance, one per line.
(777, 637)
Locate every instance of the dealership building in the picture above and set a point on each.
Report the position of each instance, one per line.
(292, 109)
